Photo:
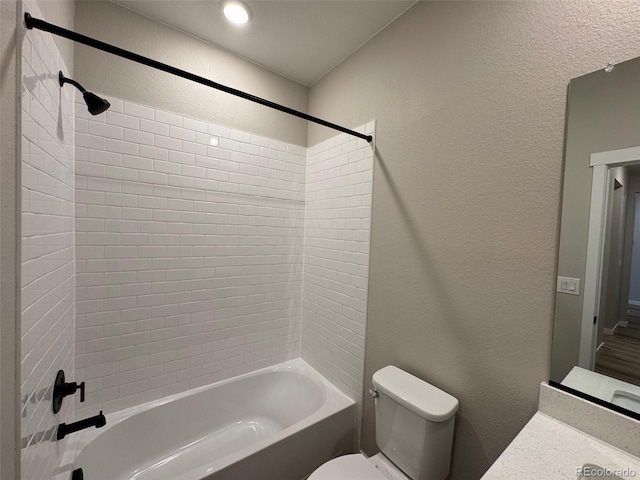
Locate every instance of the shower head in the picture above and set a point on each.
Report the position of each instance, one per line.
(95, 104)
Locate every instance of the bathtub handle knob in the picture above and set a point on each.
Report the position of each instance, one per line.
(374, 393)
(61, 389)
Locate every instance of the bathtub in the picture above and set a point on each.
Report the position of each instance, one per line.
(277, 423)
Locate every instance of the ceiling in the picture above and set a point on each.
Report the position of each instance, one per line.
(298, 39)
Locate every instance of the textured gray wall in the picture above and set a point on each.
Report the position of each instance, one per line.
(470, 102)
(110, 75)
(614, 251)
(633, 189)
(9, 302)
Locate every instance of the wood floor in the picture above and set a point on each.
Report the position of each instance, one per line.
(619, 356)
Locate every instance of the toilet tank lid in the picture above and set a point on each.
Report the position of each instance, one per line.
(417, 395)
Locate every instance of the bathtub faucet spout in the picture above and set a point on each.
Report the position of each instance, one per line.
(97, 421)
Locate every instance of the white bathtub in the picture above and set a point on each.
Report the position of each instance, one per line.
(277, 423)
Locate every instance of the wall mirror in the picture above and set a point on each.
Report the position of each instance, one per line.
(596, 333)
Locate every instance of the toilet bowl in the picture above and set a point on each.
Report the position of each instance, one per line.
(359, 467)
(414, 432)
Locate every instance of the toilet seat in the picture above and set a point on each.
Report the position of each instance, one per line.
(348, 467)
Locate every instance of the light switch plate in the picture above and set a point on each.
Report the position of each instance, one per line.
(568, 285)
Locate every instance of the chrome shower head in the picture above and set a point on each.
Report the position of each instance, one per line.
(95, 104)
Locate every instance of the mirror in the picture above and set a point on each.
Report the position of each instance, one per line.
(596, 333)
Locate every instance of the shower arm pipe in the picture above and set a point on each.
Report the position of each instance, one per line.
(38, 24)
(62, 80)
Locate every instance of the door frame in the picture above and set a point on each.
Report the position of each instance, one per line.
(600, 164)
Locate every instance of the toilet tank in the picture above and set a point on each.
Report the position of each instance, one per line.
(414, 423)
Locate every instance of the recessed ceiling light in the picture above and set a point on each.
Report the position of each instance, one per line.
(236, 11)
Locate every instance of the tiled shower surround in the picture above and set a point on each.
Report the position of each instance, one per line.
(189, 241)
(48, 269)
(337, 228)
(191, 246)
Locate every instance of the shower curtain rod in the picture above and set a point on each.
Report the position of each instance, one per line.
(38, 24)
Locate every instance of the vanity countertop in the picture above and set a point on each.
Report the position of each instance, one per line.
(549, 449)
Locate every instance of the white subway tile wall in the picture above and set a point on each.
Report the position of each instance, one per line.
(337, 230)
(189, 253)
(48, 269)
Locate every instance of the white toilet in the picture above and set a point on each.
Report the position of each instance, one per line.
(414, 431)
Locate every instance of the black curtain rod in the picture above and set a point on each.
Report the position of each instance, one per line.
(38, 24)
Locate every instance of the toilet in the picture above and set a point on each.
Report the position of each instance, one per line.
(414, 432)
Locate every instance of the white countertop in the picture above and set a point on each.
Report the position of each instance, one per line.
(549, 449)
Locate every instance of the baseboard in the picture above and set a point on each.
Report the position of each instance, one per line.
(611, 331)
(633, 309)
